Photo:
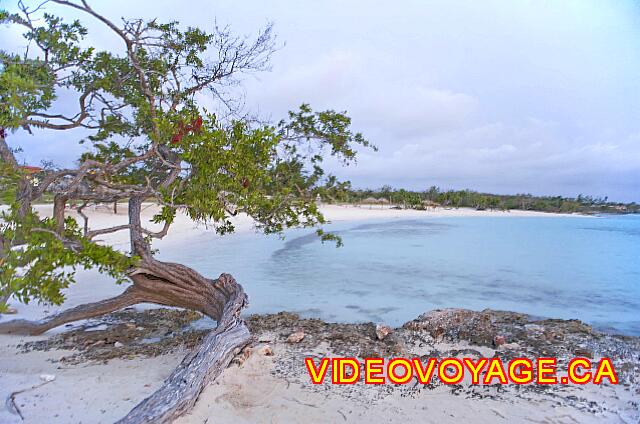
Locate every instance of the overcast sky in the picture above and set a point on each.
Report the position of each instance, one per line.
(502, 96)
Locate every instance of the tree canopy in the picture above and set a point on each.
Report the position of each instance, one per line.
(151, 138)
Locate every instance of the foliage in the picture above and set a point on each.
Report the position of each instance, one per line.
(152, 139)
(473, 199)
(46, 262)
(8, 184)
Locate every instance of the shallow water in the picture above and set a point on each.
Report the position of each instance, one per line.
(393, 270)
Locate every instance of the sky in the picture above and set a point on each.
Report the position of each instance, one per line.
(506, 96)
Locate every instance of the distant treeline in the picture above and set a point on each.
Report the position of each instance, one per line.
(434, 197)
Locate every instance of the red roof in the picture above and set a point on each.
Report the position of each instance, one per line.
(31, 169)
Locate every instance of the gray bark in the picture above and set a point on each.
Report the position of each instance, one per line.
(171, 284)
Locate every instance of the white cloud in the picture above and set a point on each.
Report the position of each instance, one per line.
(495, 95)
(414, 110)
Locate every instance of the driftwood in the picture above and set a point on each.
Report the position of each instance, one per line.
(171, 284)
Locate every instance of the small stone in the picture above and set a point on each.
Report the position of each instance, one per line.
(47, 377)
(295, 337)
(382, 331)
(118, 344)
(98, 343)
(499, 340)
(242, 356)
(583, 353)
(266, 350)
(512, 346)
(552, 335)
(533, 328)
(246, 352)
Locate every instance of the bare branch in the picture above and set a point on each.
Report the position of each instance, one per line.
(93, 233)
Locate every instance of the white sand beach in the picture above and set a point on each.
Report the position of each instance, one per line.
(252, 394)
(183, 227)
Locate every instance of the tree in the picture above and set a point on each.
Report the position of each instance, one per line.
(386, 192)
(409, 199)
(152, 140)
(432, 193)
(335, 191)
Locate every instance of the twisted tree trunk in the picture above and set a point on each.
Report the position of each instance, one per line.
(181, 390)
(176, 285)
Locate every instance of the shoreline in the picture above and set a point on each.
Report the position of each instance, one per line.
(183, 227)
(269, 381)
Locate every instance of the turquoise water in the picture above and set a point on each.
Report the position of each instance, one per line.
(394, 270)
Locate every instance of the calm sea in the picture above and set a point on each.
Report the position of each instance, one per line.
(394, 270)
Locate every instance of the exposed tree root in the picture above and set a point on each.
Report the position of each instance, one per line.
(180, 391)
(89, 310)
(170, 284)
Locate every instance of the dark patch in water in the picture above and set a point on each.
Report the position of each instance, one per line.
(395, 228)
(634, 232)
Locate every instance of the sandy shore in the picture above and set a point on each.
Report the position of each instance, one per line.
(98, 382)
(102, 391)
(277, 388)
(183, 227)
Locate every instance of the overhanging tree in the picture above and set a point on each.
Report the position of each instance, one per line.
(151, 140)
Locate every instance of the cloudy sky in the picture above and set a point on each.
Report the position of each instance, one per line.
(502, 96)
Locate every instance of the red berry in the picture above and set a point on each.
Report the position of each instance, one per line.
(176, 138)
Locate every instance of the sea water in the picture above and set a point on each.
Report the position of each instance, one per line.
(393, 270)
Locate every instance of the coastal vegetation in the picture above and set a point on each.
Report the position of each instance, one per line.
(437, 197)
(343, 193)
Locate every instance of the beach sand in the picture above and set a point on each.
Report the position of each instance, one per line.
(277, 388)
(266, 388)
(183, 227)
(101, 384)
